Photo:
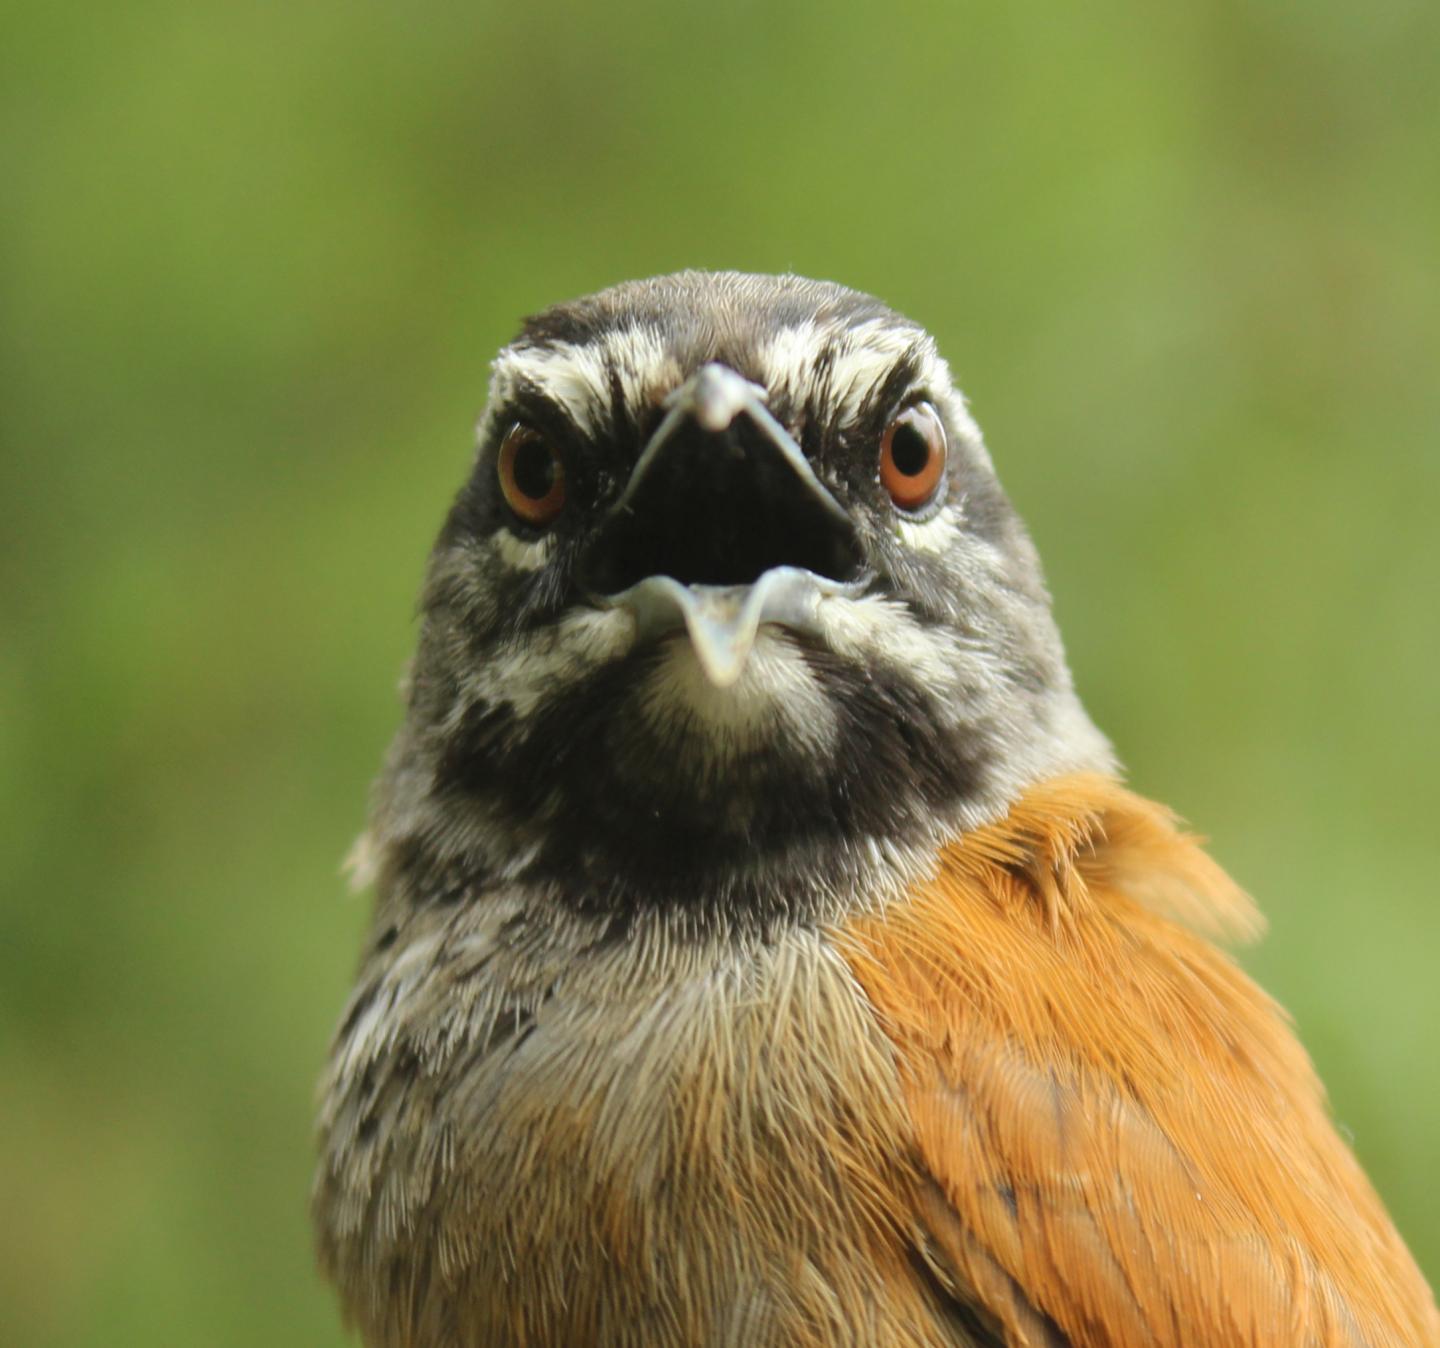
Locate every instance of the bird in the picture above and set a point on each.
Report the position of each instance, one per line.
(766, 949)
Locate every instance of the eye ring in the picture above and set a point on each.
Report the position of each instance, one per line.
(531, 474)
(913, 451)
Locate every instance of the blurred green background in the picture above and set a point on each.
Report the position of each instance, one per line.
(255, 260)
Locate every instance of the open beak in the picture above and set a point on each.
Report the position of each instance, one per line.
(722, 528)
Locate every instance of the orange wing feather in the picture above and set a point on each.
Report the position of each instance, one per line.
(1121, 1140)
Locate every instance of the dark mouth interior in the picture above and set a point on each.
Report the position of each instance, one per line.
(720, 509)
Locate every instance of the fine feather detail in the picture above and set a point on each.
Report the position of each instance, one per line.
(663, 1037)
(1114, 1120)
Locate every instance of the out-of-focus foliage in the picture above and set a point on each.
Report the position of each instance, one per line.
(253, 262)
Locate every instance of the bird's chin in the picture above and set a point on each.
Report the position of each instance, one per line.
(774, 701)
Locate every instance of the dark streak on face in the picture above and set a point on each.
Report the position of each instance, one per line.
(623, 824)
(621, 810)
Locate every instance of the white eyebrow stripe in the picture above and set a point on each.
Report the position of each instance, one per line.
(865, 360)
(574, 376)
(860, 359)
(579, 376)
(644, 365)
(582, 376)
(787, 361)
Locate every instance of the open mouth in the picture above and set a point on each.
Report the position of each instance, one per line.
(723, 528)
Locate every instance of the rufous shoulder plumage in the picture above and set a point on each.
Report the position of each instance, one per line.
(1121, 1138)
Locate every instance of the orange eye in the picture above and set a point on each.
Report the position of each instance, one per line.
(532, 477)
(912, 457)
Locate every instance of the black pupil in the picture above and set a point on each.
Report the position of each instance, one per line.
(534, 469)
(909, 449)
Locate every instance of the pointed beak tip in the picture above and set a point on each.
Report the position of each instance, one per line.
(715, 395)
(723, 624)
(724, 674)
(713, 417)
(721, 650)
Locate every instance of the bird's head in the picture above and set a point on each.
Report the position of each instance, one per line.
(731, 614)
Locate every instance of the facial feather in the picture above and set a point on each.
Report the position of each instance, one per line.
(540, 717)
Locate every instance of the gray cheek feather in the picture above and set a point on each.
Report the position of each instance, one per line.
(523, 674)
(979, 681)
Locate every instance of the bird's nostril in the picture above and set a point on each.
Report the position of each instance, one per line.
(720, 509)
